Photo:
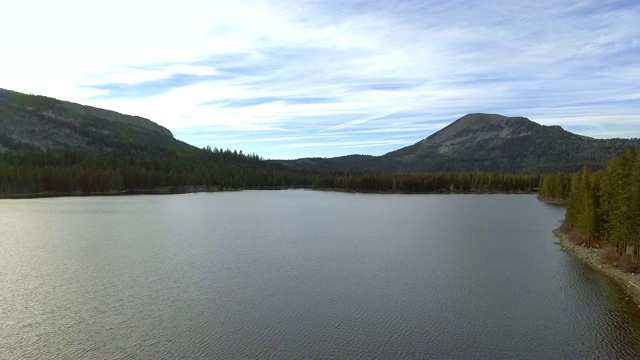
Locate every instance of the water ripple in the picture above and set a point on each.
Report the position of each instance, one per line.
(300, 274)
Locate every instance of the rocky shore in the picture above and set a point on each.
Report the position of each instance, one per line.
(592, 257)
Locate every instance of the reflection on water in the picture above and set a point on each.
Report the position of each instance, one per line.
(301, 274)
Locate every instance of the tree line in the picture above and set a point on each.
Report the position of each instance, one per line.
(602, 206)
(80, 172)
(483, 182)
(38, 172)
(555, 188)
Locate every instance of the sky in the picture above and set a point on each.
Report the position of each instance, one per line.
(291, 79)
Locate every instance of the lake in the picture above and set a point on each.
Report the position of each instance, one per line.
(301, 274)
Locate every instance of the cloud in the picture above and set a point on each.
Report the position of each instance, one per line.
(234, 103)
(151, 88)
(282, 78)
(356, 122)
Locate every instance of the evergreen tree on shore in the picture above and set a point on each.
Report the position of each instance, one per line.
(555, 188)
(603, 206)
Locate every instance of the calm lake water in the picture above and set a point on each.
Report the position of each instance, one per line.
(300, 274)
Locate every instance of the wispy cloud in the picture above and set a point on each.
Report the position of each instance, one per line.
(233, 103)
(288, 79)
(356, 122)
(153, 87)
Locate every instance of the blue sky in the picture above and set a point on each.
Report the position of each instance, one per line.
(291, 79)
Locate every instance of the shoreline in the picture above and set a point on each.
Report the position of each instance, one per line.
(157, 191)
(56, 194)
(198, 189)
(591, 257)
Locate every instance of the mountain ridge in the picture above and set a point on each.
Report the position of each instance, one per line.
(486, 142)
(475, 142)
(33, 122)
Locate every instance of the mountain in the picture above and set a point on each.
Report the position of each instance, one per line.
(50, 147)
(486, 142)
(29, 122)
(475, 142)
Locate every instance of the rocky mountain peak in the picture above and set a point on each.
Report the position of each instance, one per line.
(484, 125)
(472, 129)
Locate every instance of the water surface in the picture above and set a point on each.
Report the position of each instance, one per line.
(293, 274)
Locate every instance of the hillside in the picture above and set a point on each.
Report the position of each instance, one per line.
(50, 147)
(29, 122)
(486, 142)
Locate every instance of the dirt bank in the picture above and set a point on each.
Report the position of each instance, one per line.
(591, 257)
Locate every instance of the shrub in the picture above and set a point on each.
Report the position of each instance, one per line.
(628, 264)
(609, 255)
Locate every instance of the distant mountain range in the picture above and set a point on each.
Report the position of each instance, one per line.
(485, 142)
(475, 142)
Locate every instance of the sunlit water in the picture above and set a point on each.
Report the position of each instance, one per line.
(300, 274)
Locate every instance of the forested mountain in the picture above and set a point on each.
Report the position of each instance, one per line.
(486, 142)
(29, 122)
(475, 142)
(48, 146)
